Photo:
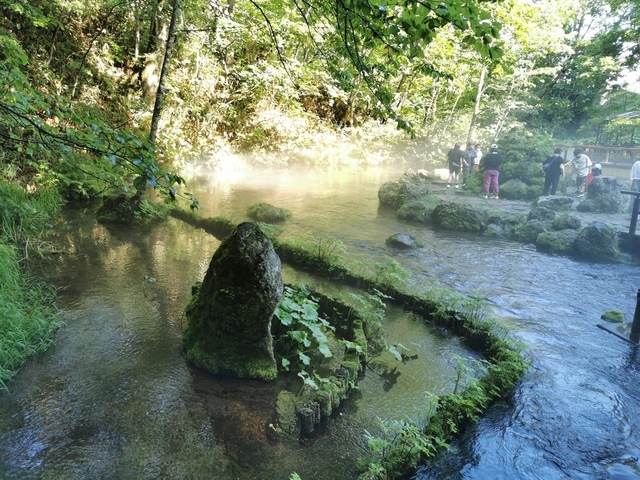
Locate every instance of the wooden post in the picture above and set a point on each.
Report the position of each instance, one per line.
(635, 327)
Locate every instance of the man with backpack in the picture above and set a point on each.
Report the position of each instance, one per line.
(553, 169)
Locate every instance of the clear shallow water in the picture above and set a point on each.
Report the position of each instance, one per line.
(115, 399)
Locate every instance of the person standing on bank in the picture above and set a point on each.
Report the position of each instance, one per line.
(635, 182)
(491, 162)
(581, 164)
(552, 167)
(476, 161)
(469, 156)
(455, 158)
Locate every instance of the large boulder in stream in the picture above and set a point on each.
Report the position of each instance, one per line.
(597, 242)
(394, 194)
(556, 241)
(603, 196)
(229, 317)
(459, 217)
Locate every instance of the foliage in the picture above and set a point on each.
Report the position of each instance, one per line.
(299, 331)
(28, 319)
(24, 217)
(523, 153)
(390, 273)
(56, 139)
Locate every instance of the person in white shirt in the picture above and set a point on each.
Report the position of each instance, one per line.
(635, 181)
(581, 164)
(635, 176)
(476, 161)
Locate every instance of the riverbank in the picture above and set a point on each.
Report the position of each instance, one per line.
(618, 221)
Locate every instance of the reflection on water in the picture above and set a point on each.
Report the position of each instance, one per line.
(115, 399)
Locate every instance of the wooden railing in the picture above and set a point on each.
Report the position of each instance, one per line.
(615, 161)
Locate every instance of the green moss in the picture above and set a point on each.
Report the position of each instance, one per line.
(225, 362)
(613, 316)
(286, 407)
(265, 212)
(419, 210)
(556, 241)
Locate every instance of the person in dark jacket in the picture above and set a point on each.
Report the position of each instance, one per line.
(455, 159)
(491, 162)
(552, 172)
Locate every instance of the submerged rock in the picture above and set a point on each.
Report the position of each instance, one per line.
(229, 317)
(613, 316)
(402, 240)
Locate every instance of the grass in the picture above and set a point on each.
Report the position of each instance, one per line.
(28, 318)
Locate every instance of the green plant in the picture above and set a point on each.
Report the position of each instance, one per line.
(371, 308)
(397, 448)
(28, 318)
(390, 273)
(299, 331)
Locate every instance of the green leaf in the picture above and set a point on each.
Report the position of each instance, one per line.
(304, 359)
(325, 351)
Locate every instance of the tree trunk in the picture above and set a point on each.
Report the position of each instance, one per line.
(453, 110)
(163, 73)
(476, 108)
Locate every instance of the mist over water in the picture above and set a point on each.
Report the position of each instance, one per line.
(115, 399)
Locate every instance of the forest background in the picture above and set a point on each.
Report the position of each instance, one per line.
(117, 95)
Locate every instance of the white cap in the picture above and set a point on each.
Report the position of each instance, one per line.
(494, 146)
(598, 166)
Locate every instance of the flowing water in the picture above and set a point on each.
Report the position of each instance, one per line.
(114, 397)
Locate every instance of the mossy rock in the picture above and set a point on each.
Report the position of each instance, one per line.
(503, 225)
(529, 231)
(556, 241)
(613, 316)
(541, 213)
(265, 212)
(459, 217)
(395, 194)
(566, 221)
(597, 242)
(603, 196)
(419, 210)
(228, 328)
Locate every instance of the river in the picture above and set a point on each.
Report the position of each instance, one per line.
(114, 397)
